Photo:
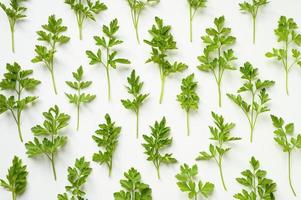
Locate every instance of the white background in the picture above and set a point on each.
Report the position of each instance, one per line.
(129, 151)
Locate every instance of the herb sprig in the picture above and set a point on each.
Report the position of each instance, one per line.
(194, 7)
(17, 80)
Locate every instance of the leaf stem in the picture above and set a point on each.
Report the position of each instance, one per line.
(254, 29)
(158, 172)
(190, 22)
(77, 124)
(162, 88)
(53, 81)
(187, 122)
(137, 123)
(19, 126)
(14, 195)
(109, 83)
(221, 172)
(110, 168)
(289, 173)
(12, 32)
(53, 166)
(219, 94)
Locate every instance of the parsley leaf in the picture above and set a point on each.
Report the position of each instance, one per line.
(194, 6)
(188, 182)
(156, 142)
(256, 88)
(188, 98)
(85, 10)
(17, 80)
(221, 134)
(106, 50)
(217, 58)
(134, 188)
(252, 9)
(106, 137)
(79, 97)
(52, 142)
(286, 33)
(162, 42)
(51, 36)
(15, 12)
(77, 177)
(284, 138)
(16, 178)
(255, 180)
(134, 89)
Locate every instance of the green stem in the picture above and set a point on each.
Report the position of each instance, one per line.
(162, 89)
(251, 133)
(158, 172)
(221, 173)
(137, 124)
(109, 83)
(289, 173)
(53, 166)
(219, 94)
(77, 124)
(254, 29)
(286, 82)
(80, 30)
(187, 122)
(12, 32)
(196, 197)
(53, 81)
(14, 195)
(190, 23)
(19, 126)
(110, 168)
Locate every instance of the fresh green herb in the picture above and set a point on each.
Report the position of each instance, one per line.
(137, 6)
(188, 98)
(77, 177)
(222, 135)
(16, 178)
(134, 88)
(14, 13)
(17, 81)
(194, 6)
(286, 34)
(162, 42)
(255, 87)
(216, 58)
(106, 137)
(157, 141)
(79, 97)
(284, 137)
(52, 142)
(252, 9)
(107, 45)
(85, 9)
(52, 36)
(188, 182)
(134, 188)
(255, 180)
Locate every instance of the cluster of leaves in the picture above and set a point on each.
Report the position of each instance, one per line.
(134, 188)
(286, 33)
(106, 137)
(255, 180)
(216, 57)
(252, 9)
(194, 6)
(156, 142)
(256, 88)
(284, 138)
(107, 43)
(14, 13)
(222, 135)
(16, 178)
(137, 6)
(51, 35)
(52, 142)
(162, 42)
(188, 182)
(134, 89)
(188, 98)
(77, 177)
(85, 9)
(17, 80)
(79, 97)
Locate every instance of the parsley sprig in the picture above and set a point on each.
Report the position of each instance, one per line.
(106, 137)
(17, 80)
(188, 98)
(194, 7)
(79, 97)
(133, 186)
(77, 177)
(16, 178)
(134, 89)
(52, 36)
(221, 134)
(162, 42)
(256, 184)
(217, 58)
(15, 12)
(256, 88)
(287, 35)
(85, 9)
(188, 182)
(156, 142)
(106, 55)
(284, 138)
(252, 9)
(52, 142)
